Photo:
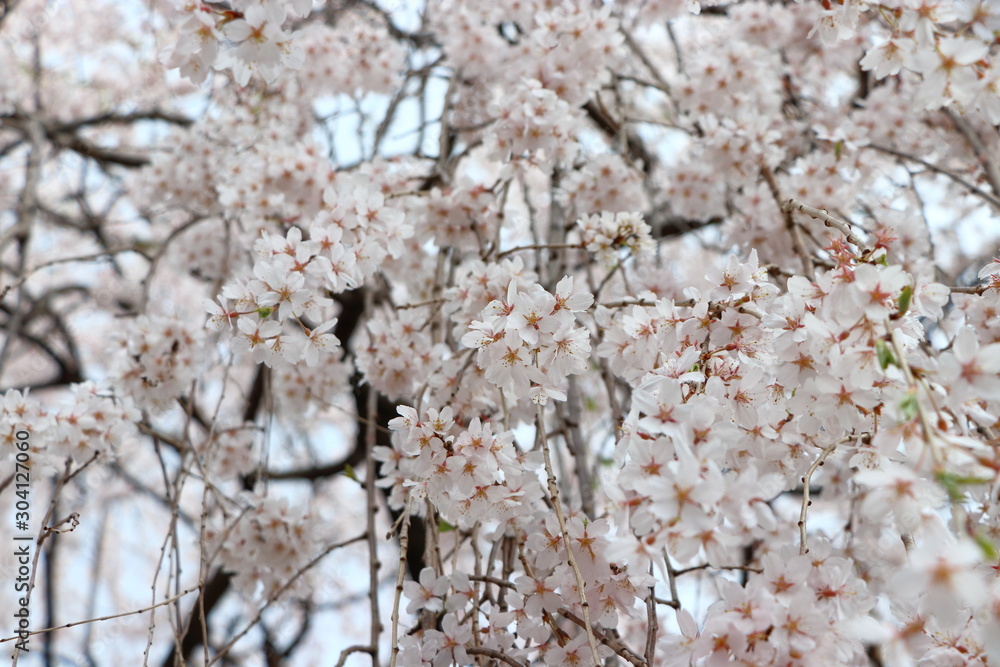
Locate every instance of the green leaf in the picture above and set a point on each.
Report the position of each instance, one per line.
(989, 551)
(953, 483)
(350, 474)
(885, 356)
(904, 300)
(962, 480)
(265, 311)
(947, 480)
(444, 526)
(838, 148)
(908, 406)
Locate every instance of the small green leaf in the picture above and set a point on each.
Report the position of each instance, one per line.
(989, 551)
(265, 311)
(882, 260)
(904, 300)
(951, 486)
(885, 356)
(962, 480)
(444, 526)
(143, 246)
(350, 474)
(838, 148)
(953, 483)
(908, 406)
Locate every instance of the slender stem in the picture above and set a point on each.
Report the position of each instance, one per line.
(983, 152)
(404, 540)
(652, 623)
(108, 618)
(623, 651)
(985, 196)
(540, 246)
(793, 229)
(277, 594)
(830, 221)
(496, 655)
(554, 495)
(372, 507)
(820, 460)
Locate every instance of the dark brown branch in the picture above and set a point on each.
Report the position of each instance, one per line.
(70, 141)
(315, 473)
(635, 149)
(123, 118)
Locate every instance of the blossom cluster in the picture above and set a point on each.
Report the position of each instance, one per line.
(473, 475)
(606, 233)
(93, 422)
(159, 357)
(528, 343)
(469, 474)
(606, 183)
(232, 452)
(267, 545)
(461, 216)
(398, 354)
(354, 57)
(251, 30)
(348, 239)
(534, 123)
(949, 44)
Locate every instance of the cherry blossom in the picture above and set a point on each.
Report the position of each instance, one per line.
(533, 332)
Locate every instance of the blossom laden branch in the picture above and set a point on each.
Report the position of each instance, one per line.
(830, 221)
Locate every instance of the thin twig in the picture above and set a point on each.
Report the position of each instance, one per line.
(793, 229)
(652, 623)
(108, 618)
(404, 541)
(623, 651)
(820, 460)
(985, 196)
(278, 593)
(496, 655)
(554, 496)
(639, 53)
(983, 152)
(357, 648)
(540, 246)
(371, 506)
(830, 221)
(969, 289)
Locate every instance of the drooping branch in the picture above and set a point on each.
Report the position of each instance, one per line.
(992, 200)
